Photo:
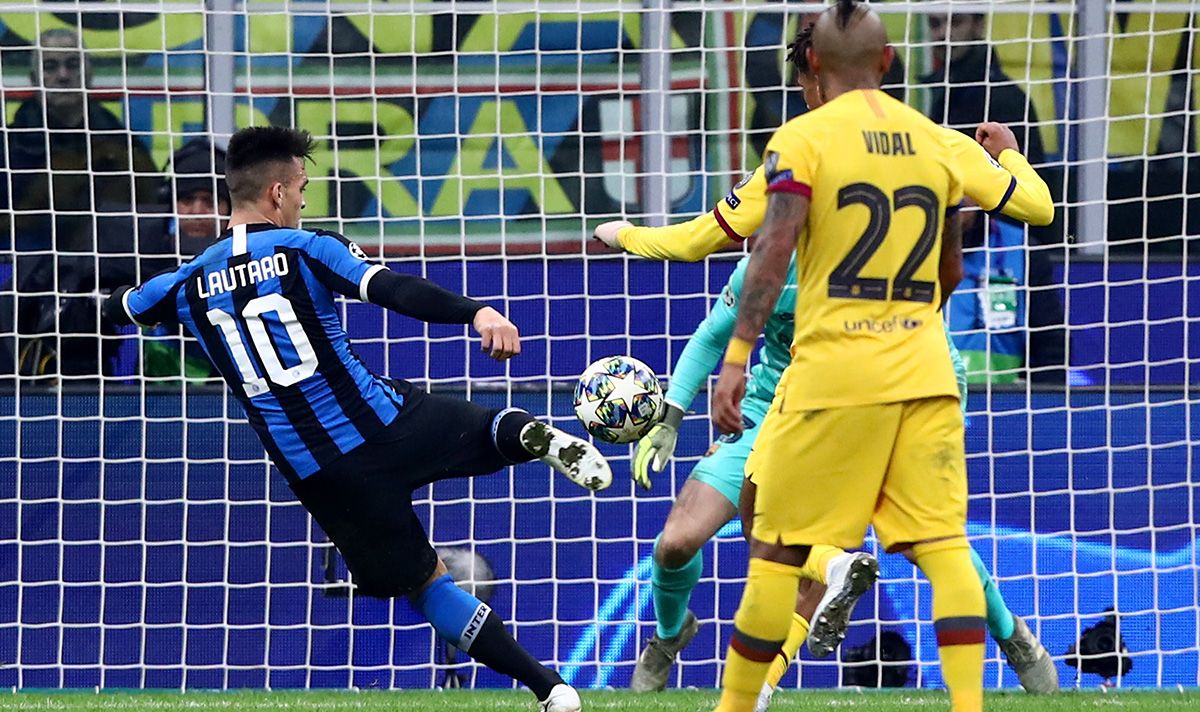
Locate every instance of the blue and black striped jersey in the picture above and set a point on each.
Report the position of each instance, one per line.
(261, 304)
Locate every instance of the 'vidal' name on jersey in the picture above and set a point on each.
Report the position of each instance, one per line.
(889, 143)
(230, 278)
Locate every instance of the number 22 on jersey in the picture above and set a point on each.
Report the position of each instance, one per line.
(845, 282)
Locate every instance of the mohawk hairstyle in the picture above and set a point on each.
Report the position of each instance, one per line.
(845, 11)
(797, 51)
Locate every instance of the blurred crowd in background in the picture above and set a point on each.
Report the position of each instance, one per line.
(85, 207)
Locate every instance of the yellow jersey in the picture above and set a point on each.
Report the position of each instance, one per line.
(881, 178)
(1009, 186)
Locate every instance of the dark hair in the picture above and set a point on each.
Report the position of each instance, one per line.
(197, 165)
(845, 10)
(252, 148)
(797, 51)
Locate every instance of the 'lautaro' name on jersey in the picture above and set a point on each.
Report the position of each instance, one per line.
(247, 273)
(889, 143)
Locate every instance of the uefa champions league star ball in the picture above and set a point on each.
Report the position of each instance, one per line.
(618, 399)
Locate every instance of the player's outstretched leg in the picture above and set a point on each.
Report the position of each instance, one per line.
(468, 623)
(1025, 654)
(698, 513)
(574, 457)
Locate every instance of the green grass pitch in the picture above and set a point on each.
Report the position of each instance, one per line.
(674, 701)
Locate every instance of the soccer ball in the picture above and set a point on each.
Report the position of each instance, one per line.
(618, 399)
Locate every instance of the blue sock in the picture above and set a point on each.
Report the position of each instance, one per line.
(465, 621)
(456, 615)
(672, 589)
(999, 618)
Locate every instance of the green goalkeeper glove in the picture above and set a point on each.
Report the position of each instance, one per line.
(657, 446)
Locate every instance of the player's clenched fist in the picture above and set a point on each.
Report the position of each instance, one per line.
(727, 398)
(996, 138)
(499, 336)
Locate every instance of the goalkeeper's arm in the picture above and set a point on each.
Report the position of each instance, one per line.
(700, 356)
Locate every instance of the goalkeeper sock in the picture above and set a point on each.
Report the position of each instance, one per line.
(818, 561)
(958, 619)
(795, 638)
(760, 628)
(671, 590)
(999, 618)
(467, 623)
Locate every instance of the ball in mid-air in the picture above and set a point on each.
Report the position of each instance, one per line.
(618, 399)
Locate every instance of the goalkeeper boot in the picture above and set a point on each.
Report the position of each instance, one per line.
(562, 698)
(575, 458)
(654, 664)
(847, 578)
(1030, 660)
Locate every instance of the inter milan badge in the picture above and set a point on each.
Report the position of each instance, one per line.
(770, 163)
(357, 251)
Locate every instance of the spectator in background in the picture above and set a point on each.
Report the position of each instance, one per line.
(68, 155)
(67, 158)
(196, 187)
(967, 88)
(190, 215)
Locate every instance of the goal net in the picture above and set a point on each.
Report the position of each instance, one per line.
(145, 540)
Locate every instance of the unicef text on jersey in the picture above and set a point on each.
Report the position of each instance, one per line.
(885, 326)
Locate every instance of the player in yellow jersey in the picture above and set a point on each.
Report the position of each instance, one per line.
(998, 179)
(865, 191)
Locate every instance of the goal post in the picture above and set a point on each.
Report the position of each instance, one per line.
(145, 541)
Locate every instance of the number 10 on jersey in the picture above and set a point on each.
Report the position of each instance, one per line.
(254, 316)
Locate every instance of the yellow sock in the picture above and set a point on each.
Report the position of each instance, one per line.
(818, 560)
(959, 619)
(791, 646)
(760, 628)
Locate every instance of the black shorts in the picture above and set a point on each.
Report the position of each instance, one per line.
(363, 500)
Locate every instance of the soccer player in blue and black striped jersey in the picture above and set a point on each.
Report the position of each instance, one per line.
(352, 445)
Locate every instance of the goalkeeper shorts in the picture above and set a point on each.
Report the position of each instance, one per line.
(723, 468)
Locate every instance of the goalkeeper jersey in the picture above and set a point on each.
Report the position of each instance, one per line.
(707, 345)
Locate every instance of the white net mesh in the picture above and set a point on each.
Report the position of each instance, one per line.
(144, 541)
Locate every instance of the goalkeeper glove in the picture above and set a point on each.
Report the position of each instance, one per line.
(657, 446)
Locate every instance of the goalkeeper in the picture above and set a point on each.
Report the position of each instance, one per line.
(997, 178)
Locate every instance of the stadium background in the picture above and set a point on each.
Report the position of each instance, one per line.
(503, 136)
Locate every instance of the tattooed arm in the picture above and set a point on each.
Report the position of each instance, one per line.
(950, 266)
(773, 247)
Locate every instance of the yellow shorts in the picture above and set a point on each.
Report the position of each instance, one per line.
(824, 475)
